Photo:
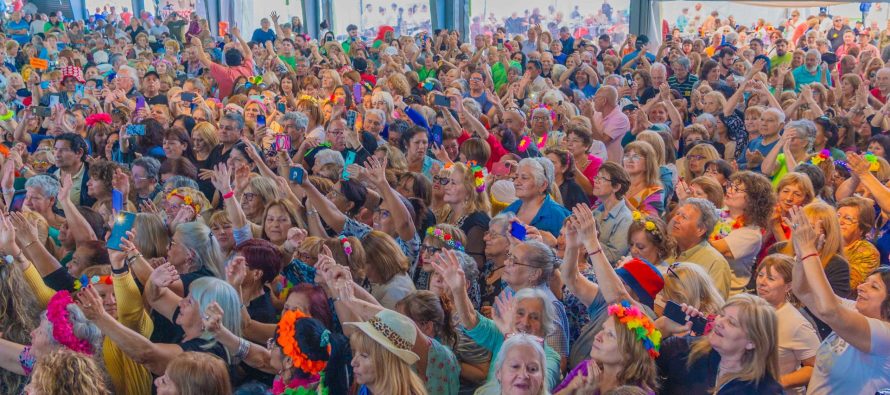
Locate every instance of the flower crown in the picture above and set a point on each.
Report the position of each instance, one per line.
(445, 238)
(309, 98)
(347, 246)
(526, 142)
(98, 118)
(185, 198)
(647, 224)
(478, 176)
(84, 281)
(57, 314)
(638, 323)
(287, 327)
(820, 157)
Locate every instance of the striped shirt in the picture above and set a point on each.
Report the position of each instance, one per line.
(685, 87)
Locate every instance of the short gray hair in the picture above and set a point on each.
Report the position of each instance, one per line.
(548, 317)
(542, 168)
(181, 182)
(379, 113)
(151, 165)
(235, 117)
(808, 127)
(541, 256)
(503, 218)
(326, 156)
(81, 327)
(780, 115)
(521, 339)
(48, 185)
(301, 121)
(707, 218)
(683, 62)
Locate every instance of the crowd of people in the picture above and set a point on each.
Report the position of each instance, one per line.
(525, 213)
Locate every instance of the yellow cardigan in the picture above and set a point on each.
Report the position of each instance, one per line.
(127, 376)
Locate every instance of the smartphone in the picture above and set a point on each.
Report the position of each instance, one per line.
(518, 231)
(350, 119)
(136, 130)
(350, 159)
(18, 201)
(260, 121)
(500, 43)
(297, 174)
(99, 83)
(629, 79)
(675, 313)
(441, 100)
(140, 103)
(53, 100)
(281, 107)
(122, 224)
(436, 136)
(44, 84)
(78, 91)
(187, 96)
(282, 142)
(117, 200)
(357, 93)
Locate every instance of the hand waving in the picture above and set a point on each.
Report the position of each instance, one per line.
(448, 266)
(163, 276)
(90, 303)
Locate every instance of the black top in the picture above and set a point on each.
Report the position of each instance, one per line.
(167, 331)
(572, 194)
(262, 310)
(701, 377)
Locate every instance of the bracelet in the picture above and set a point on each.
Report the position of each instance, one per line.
(28, 245)
(243, 349)
(311, 212)
(595, 252)
(129, 260)
(809, 256)
(228, 195)
(123, 270)
(7, 116)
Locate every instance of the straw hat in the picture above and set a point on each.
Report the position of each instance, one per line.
(393, 331)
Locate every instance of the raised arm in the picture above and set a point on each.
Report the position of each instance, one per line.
(78, 227)
(580, 286)
(222, 181)
(161, 299)
(610, 284)
(376, 172)
(769, 166)
(245, 49)
(813, 289)
(326, 209)
(447, 265)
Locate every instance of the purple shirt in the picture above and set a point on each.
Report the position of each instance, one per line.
(614, 124)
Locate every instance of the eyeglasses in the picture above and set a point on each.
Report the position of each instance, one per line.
(671, 272)
(848, 220)
(736, 187)
(441, 180)
(601, 179)
(382, 213)
(695, 157)
(430, 250)
(633, 158)
(512, 261)
(491, 234)
(249, 196)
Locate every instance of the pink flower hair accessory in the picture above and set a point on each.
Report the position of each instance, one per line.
(63, 331)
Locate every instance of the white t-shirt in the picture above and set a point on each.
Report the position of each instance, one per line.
(744, 243)
(797, 341)
(843, 369)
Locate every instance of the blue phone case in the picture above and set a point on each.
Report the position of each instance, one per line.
(296, 175)
(117, 200)
(518, 231)
(122, 224)
(350, 159)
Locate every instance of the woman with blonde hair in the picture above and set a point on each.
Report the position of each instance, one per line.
(195, 373)
(382, 354)
(795, 189)
(666, 174)
(309, 106)
(646, 194)
(689, 283)
(470, 207)
(837, 270)
(738, 355)
(67, 372)
(694, 160)
(437, 195)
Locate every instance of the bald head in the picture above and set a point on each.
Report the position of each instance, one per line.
(606, 99)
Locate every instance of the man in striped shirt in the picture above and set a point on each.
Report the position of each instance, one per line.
(682, 81)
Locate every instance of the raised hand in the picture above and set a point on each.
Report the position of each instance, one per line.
(163, 276)
(858, 165)
(804, 238)
(222, 179)
(375, 170)
(236, 272)
(212, 319)
(120, 181)
(90, 303)
(504, 311)
(448, 266)
(27, 233)
(585, 223)
(7, 236)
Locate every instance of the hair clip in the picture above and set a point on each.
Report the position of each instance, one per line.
(445, 238)
(85, 281)
(347, 247)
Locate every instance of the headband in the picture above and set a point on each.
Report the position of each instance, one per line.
(445, 238)
(821, 157)
(63, 333)
(85, 281)
(347, 247)
(638, 323)
(478, 176)
(185, 198)
(647, 224)
(98, 118)
(287, 327)
(871, 158)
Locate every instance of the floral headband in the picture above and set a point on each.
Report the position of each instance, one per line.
(57, 314)
(526, 142)
(347, 246)
(287, 327)
(638, 323)
(98, 118)
(478, 176)
(84, 281)
(820, 157)
(185, 198)
(445, 238)
(647, 224)
(873, 160)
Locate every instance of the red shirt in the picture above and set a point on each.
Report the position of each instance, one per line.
(877, 94)
(225, 76)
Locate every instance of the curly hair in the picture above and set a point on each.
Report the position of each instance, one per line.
(103, 170)
(16, 320)
(66, 372)
(761, 198)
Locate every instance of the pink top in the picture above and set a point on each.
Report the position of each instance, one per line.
(614, 124)
(592, 168)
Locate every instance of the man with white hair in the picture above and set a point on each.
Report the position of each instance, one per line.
(811, 71)
(658, 73)
(882, 85)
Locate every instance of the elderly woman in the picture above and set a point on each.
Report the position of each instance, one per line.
(40, 197)
(694, 161)
(527, 312)
(856, 216)
(541, 129)
(795, 144)
(854, 359)
(519, 368)
(749, 202)
(534, 206)
(612, 214)
(646, 192)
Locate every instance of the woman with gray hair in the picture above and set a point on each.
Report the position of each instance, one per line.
(541, 129)
(528, 312)
(42, 191)
(535, 207)
(795, 146)
(519, 367)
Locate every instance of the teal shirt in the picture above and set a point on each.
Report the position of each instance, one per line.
(487, 335)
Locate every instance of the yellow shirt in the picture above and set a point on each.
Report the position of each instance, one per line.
(863, 258)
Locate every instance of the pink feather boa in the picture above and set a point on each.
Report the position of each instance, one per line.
(57, 314)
